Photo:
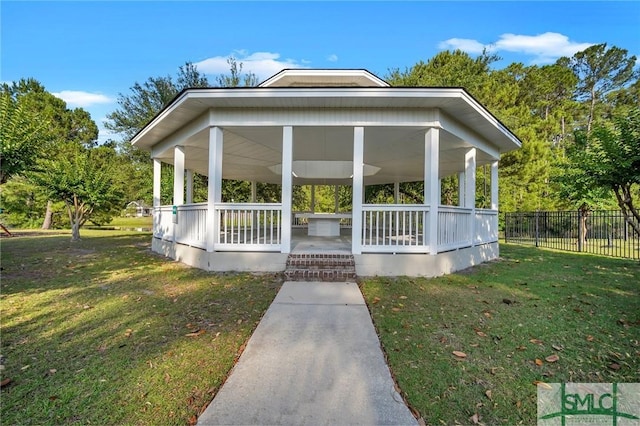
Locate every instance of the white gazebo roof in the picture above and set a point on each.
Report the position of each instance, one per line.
(323, 78)
(323, 106)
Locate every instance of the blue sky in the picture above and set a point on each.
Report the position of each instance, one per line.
(88, 52)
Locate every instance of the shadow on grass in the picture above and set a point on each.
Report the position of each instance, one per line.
(106, 332)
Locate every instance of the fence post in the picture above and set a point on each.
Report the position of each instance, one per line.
(537, 216)
(506, 227)
(579, 230)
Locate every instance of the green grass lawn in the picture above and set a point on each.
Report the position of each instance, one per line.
(131, 222)
(510, 318)
(105, 332)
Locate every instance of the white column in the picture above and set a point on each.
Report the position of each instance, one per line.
(470, 189)
(396, 192)
(470, 178)
(287, 187)
(214, 186)
(178, 175)
(461, 179)
(358, 190)
(494, 185)
(157, 179)
(431, 191)
(189, 186)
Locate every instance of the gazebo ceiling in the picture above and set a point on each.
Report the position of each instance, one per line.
(253, 147)
(252, 153)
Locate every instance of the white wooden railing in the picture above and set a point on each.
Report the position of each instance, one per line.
(163, 223)
(486, 226)
(248, 227)
(454, 227)
(191, 228)
(386, 228)
(394, 228)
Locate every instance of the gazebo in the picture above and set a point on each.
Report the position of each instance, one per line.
(326, 127)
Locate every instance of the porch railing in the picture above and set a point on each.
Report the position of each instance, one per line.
(386, 228)
(192, 225)
(486, 226)
(394, 228)
(163, 223)
(454, 227)
(249, 227)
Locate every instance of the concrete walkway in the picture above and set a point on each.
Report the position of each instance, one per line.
(314, 359)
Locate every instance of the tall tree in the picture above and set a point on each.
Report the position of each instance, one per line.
(600, 71)
(235, 78)
(448, 69)
(146, 100)
(138, 108)
(606, 162)
(21, 136)
(57, 125)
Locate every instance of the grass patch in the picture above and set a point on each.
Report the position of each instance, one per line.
(105, 332)
(508, 317)
(145, 222)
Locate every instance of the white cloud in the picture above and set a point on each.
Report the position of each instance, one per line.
(262, 64)
(332, 58)
(464, 44)
(78, 98)
(545, 48)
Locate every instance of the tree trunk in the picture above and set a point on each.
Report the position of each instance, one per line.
(48, 216)
(625, 202)
(75, 231)
(583, 214)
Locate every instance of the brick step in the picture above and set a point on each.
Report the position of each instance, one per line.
(320, 267)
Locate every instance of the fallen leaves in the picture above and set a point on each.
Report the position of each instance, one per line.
(481, 333)
(538, 362)
(196, 333)
(552, 358)
(535, 341)
(542, 384)
(459, 354)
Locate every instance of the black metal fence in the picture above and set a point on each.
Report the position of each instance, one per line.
(605, 232)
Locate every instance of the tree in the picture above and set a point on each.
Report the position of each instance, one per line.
(139, 107)
(600, 71)
(146, 100)
(448, 69)
(604, 161)
(32, 107)
(83, 181)
(21, 134)
(235, 77)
